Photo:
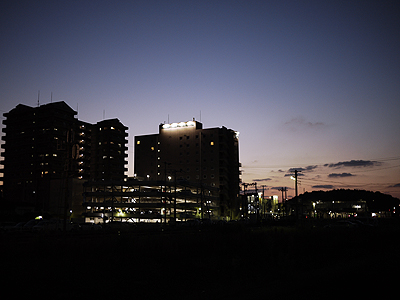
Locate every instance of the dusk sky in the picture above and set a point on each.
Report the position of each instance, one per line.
(312, 85)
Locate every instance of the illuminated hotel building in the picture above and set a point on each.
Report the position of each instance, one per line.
(49, 153)
(186, 152)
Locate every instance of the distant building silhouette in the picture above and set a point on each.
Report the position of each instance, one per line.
(187, 152)
(48, 153)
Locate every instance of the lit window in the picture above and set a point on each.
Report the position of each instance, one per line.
(138, 142)
(212, 143)
(152, 148)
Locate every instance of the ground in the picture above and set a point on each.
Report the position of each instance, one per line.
(236, 262)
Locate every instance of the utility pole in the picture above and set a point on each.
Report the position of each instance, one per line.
(295, 180)
(298, 200)
(283, 189)
(263, 203)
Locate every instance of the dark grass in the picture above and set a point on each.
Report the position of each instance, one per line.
(215, 262)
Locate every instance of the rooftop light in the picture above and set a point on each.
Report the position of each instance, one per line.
(179, 125)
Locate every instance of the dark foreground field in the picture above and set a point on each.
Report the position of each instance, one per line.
(230, 262)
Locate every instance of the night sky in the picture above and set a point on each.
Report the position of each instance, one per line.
(312, 85)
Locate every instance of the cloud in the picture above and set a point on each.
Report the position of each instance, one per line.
(262, 179)
(295, 123)
(279, 171)
(323, 186)
(395, 185)
(354, 163)
(335, 175)
(292, 174)
(306, 169)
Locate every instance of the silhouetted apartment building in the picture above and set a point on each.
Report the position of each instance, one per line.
(48, 153)
(188, 152)
(108, 157)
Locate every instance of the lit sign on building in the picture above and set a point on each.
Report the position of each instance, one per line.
(179, 125)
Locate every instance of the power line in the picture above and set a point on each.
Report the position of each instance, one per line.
(343, 183)
(315, 164)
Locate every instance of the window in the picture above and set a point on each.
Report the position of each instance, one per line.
(138, 143)
(212, 143)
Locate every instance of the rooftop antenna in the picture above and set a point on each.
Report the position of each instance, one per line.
(200, 116)
(77, 109)
(51, 97)
(38, 95)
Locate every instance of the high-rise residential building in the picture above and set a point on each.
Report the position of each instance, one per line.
(188, 152)
(48, 153)
(108, 156)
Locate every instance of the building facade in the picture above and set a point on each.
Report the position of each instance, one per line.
(188, 152)
(47, 151)
(134, 200)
